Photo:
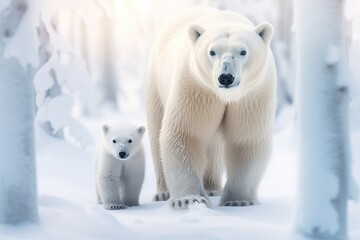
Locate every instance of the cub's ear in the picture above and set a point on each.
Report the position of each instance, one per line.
(265, 31)
(141, 130)
(195, 32)
(106, 129)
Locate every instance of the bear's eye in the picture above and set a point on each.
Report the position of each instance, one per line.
(114, 141)
(243, 53)
(130, 141)
(212, 53)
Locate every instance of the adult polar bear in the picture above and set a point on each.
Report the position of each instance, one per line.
(210, 96)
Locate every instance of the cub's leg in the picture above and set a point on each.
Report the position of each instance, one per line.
(132, 180)
(130, 190)
(214, 169)
(155, 111)
(109, 191)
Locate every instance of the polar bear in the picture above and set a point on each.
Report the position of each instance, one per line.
(119, 166)
(210, 98)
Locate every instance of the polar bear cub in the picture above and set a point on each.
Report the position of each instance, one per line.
(119, 166)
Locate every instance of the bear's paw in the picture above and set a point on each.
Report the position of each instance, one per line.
(186, 202)
(114, 206)
(238, 203)
(213, 193)
(161, 196)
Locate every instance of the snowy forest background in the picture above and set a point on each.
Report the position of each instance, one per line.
(87, 62)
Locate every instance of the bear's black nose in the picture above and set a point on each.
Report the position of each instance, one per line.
(226, 79)
(122, 155)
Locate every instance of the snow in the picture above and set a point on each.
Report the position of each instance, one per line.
(67, 203)
(68, 208)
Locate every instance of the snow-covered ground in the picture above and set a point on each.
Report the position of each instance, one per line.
(68, 209)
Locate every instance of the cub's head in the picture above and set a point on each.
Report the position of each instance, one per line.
(122, 142)
(230, 59)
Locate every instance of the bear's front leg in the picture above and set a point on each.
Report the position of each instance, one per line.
(184, 163)
(245, 165)
(109, 192)
(192, 115)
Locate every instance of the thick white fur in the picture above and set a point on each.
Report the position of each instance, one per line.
(194, 124)
(118, 181)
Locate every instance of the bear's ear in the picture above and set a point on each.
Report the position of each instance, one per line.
(141, 130)
(195, 32)
(106, 129)
(265, 31)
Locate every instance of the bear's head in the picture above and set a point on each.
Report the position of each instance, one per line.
(122, 142)
(230, 59)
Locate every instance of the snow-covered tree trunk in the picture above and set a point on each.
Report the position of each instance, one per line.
(322, 102)
(18, 198)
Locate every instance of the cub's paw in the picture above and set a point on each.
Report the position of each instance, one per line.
(213, 193)
(114, 206)
(186, 202)
(99, 202)
(239, 203)
(161, 196)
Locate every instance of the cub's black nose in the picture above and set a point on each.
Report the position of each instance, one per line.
(226, 79)
(122, 155)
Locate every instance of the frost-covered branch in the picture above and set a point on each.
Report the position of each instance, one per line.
(60, 72)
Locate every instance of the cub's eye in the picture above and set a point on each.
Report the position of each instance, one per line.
(243, 53)
(130, 141)
(114, 141)
(212, 53)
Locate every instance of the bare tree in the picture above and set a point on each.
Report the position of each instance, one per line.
(18, 198)
(284, 54)
(108, 83)
(322, 103)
